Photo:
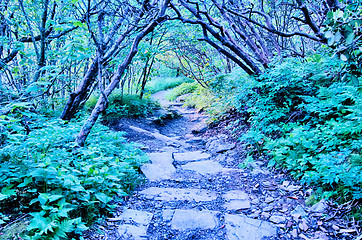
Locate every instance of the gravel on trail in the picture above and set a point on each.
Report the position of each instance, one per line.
(195, 189)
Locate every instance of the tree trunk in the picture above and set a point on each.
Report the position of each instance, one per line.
(102, 101)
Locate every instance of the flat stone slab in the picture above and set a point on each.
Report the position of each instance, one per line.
(239, 227)
(178, 194)
(134, 216)
(237, 204)
(204, 167)
(191, 219)
(191, 156)
(235, 194)
(158, 172)
(128, 231)
(167, 214)
(236, 199)
(161, 158)
(219, 146)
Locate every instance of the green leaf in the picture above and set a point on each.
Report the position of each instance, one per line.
(103, 198)
(350, 38)
(53, 198)
(343, 58)
(43, 198)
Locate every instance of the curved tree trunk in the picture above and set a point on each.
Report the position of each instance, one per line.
(102, 101)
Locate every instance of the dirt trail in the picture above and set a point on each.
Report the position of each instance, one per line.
(195, 189)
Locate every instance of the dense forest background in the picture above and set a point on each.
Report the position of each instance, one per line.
(290, 69)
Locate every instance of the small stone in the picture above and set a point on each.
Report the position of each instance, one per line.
(319, 207)
(269, 200)
(191, 219)
(268, 208)
(277, 219)
(335, 227)
(303, 226)
(289, 224)
(298, 212)
(294, 233)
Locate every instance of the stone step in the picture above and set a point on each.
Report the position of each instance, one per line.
(239, 227)
(204, 167)
(158, 172)
(191, 220)
(178, 194)
(190, 156)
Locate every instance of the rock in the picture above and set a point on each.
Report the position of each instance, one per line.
(191, 219)
(258, 170)
(298, 212)
(199, 128)
(241, 227)
(219, 146)
(237, 204)
(204, 167)
(178, 194)
(190, 156)
(167, 214)
(294, 233)
(319, 207)
(269, 200)
(169, 149)
(127, 231)
(161, 158)
(277, 219)
(195, 140)
(235, 194)
(268, 208)
(134, 217)
(303, 226)
(158, 172)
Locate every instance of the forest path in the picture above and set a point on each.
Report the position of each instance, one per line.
(195, 189)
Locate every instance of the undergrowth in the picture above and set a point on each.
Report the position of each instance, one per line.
(163, 83)
(123, 105)
(63, 189)
(304, 116)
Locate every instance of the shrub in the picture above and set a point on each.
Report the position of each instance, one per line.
(183, 88)
(64, 189)
(120, 106)
(163, 83)
(309, 121)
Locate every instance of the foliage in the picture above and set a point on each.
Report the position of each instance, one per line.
(309, 121)
(63, 188)
(123, 106)
(182, 89)
(344, 34)
(163, 83)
